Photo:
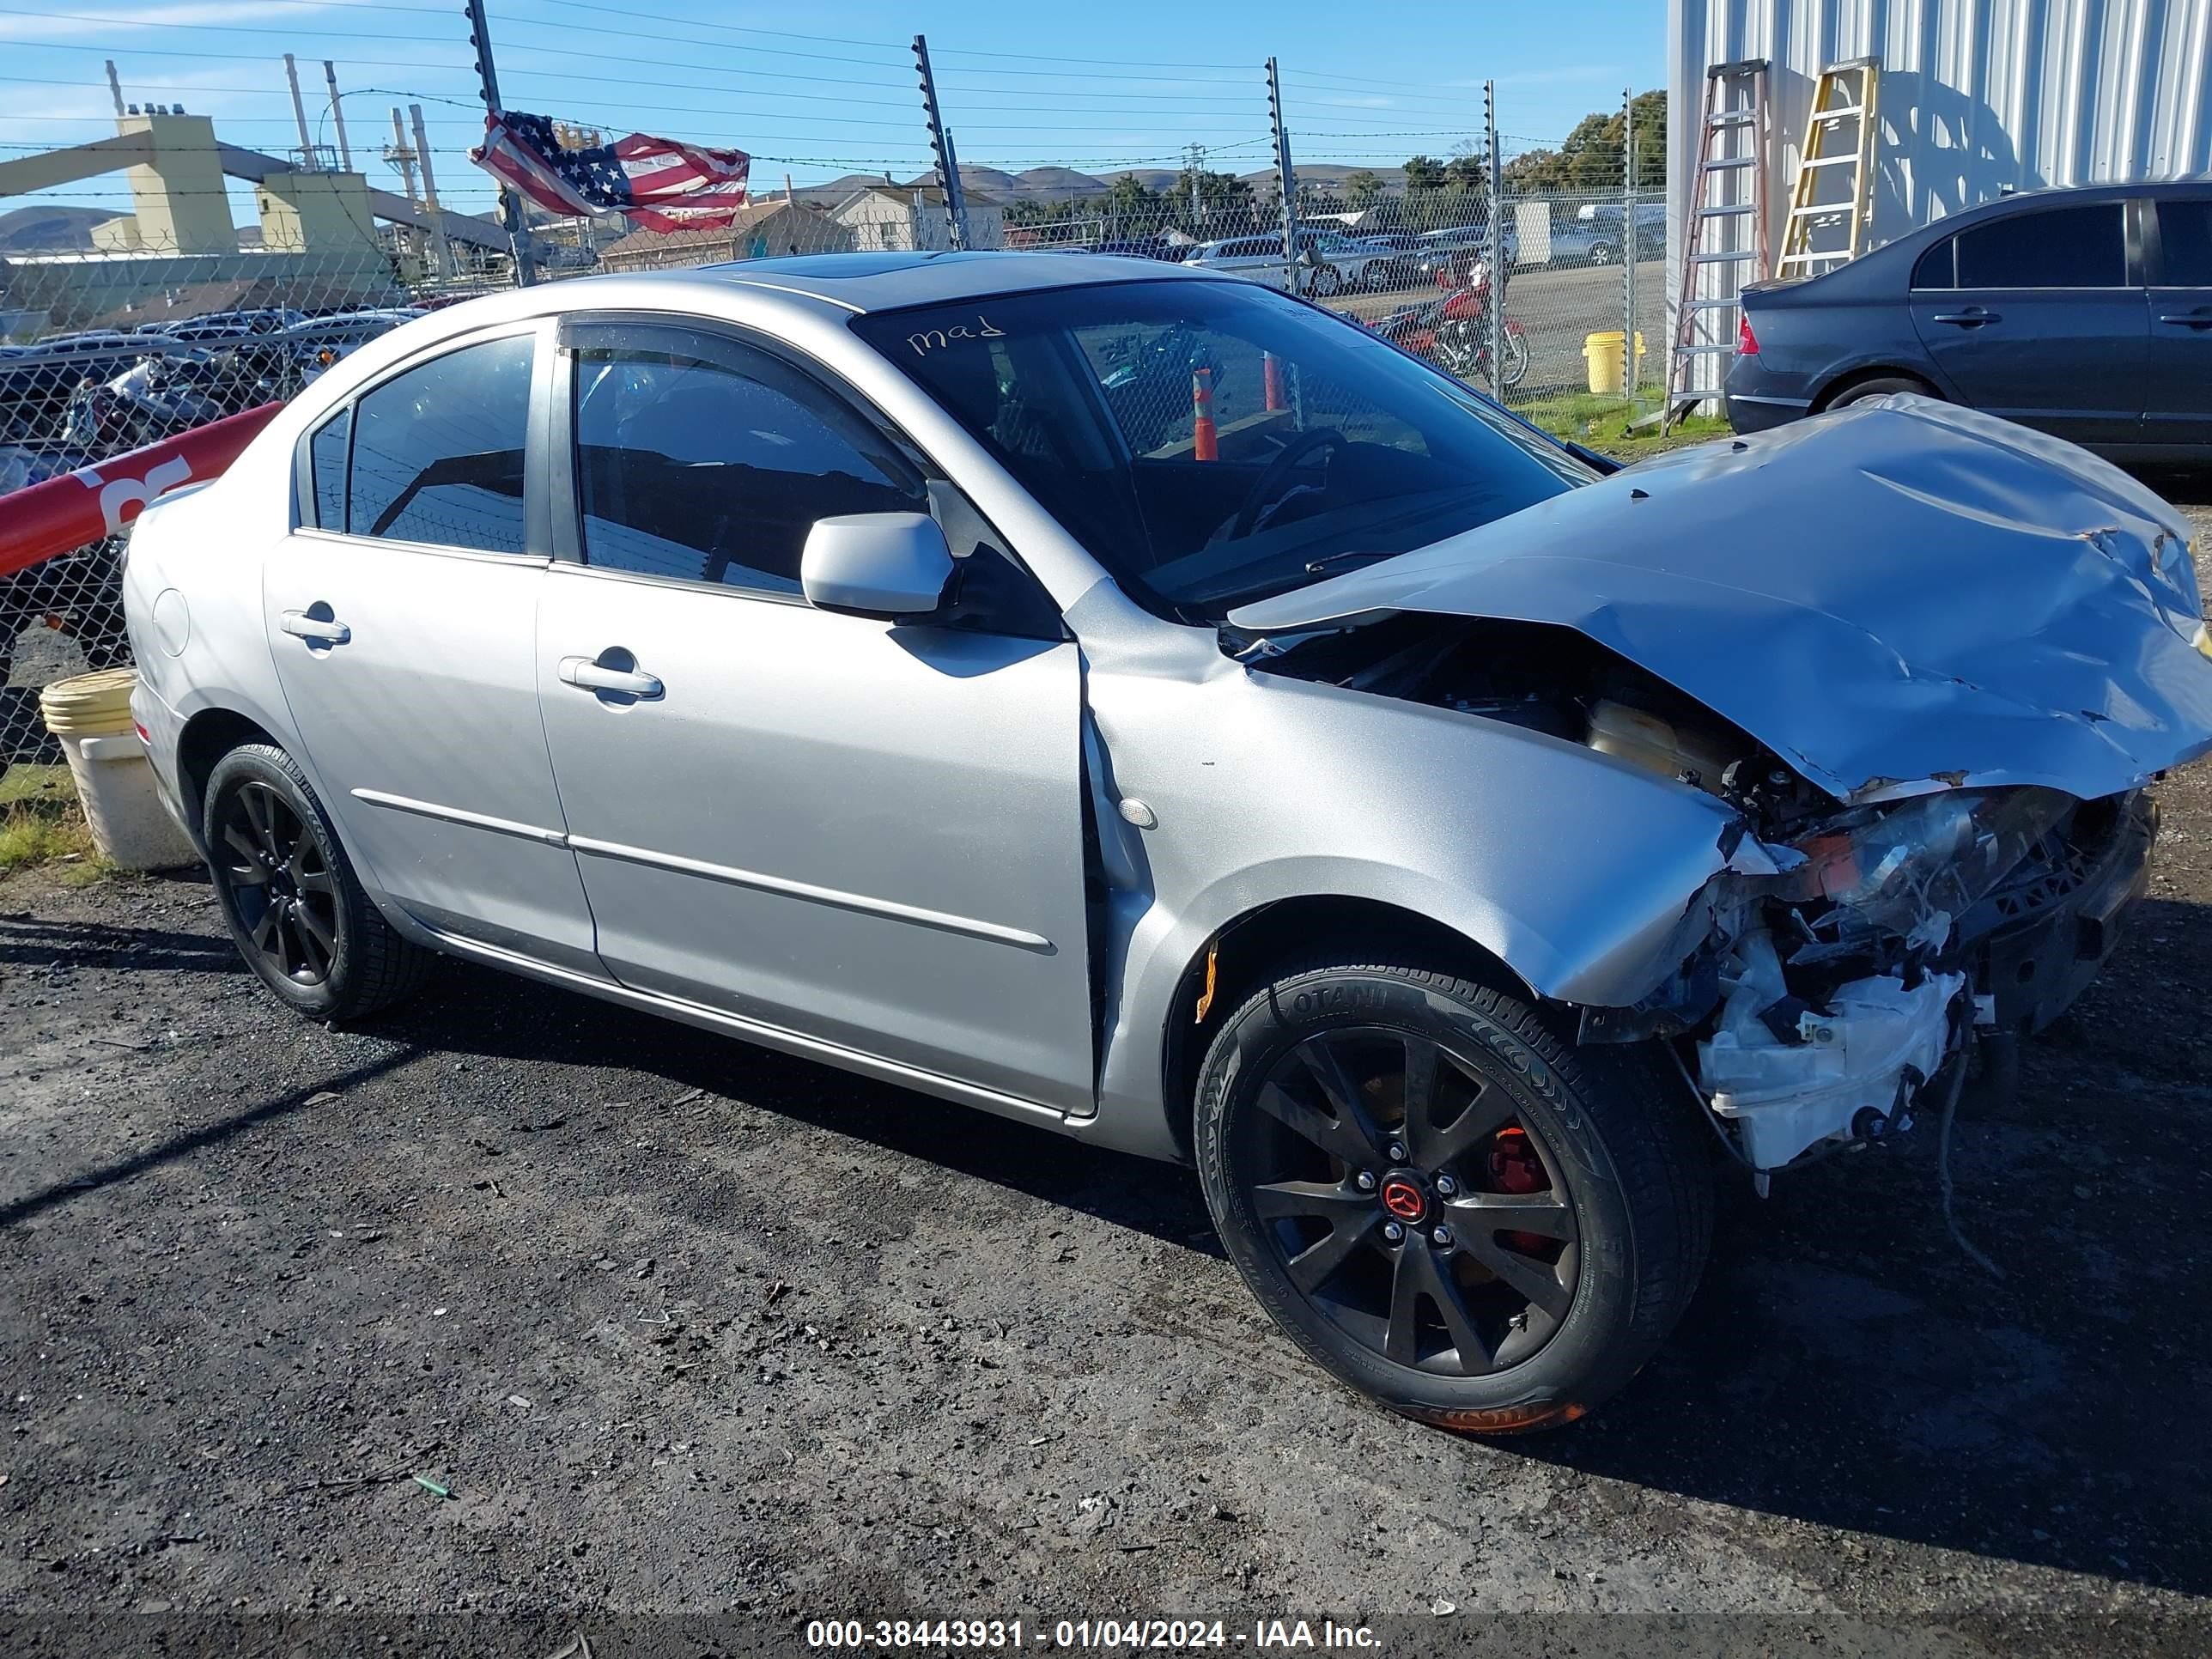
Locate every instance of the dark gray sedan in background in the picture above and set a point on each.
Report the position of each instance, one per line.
(2085, 313)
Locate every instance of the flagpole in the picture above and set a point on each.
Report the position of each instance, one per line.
(510, 200)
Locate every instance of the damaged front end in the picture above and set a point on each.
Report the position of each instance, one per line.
(1858, 973)
(1930, 660)
(1846, 955)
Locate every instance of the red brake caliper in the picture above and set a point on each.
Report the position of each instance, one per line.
(1514, 1167)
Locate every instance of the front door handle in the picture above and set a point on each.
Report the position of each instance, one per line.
(316, 630)
(2200, 317)
(587, 675)
(1973, 318)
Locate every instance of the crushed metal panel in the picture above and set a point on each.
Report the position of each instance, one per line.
(1903, 596)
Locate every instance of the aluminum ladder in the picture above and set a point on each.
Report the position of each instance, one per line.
(1832, 200)
(1724, 244)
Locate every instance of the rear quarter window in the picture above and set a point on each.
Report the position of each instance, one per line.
(1935, 268)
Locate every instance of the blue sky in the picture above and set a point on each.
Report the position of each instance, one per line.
(828, 89)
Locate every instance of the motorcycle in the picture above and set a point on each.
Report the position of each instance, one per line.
(1453, 331)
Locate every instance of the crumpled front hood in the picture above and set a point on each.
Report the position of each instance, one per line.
(1899, 596)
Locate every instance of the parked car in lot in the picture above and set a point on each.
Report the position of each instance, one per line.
(1443, 844)
(2084, 313)
(1261, 259)
(1594, 235)
(227, 325)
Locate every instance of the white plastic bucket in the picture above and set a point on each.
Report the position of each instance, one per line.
(90, 715)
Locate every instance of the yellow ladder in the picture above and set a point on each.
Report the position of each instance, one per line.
(1832, 201)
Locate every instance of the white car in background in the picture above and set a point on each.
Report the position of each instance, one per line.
(1261, 259)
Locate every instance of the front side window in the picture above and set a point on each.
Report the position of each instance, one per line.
(705, 460)
(2184, 233)
(438, 451)
(2057, 247)
(1213, 443)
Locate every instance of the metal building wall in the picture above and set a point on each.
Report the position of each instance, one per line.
(1975, 95)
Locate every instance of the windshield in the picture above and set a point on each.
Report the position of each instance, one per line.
(1212, 443)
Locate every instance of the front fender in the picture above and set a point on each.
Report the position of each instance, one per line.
(1575, 869)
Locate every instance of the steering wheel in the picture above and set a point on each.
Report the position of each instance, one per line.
(1265, 486)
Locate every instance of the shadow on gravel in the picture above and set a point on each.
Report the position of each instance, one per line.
(27, 941)
(475, 1011)
(185, 1145)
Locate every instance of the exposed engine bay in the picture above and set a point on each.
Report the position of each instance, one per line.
(1851, 954)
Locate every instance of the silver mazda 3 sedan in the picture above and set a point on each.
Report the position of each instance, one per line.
(1143, 704)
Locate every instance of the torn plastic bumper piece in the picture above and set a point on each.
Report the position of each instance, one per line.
(1822, 1075)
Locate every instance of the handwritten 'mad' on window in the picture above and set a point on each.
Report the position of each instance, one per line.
(936, 339)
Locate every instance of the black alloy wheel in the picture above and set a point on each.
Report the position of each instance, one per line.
(1411, 1199)
(275, 877)
(290, 898)
(1441, 1199)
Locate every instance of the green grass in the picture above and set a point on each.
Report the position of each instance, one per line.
(1602, 423)
(42, 826)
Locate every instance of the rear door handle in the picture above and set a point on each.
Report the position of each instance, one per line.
(2200, 317)
(589, 675)
(1973, 318)
(315, 630)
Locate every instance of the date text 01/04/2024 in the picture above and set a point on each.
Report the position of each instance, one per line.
(1152, 1634)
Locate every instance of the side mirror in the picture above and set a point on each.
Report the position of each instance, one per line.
(876, 564)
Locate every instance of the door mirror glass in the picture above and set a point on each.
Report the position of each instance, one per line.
(876, 564)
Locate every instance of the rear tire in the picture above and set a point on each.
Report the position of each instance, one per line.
(1574, 1194)
(1881, 388)
(289, 895)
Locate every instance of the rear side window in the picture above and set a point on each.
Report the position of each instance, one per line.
(2184, 234)
(438, 451)
(708, 461)
(2057, 247)
(328, 451)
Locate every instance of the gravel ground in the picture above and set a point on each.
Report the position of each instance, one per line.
(683, 1326)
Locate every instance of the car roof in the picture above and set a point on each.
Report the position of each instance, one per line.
(1876, 274)
(891, 281)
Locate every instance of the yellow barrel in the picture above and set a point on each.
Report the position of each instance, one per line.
(89, 706)
(91, 717)
(1602, 352)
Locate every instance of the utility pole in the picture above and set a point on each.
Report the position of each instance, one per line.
(1193, 161)
(941, 147)
(300, 115)
(115, 90)
(511, 213)
(1494, 238)
(442, 253)
(1631, 232)
(1287, 179)
(337, 115)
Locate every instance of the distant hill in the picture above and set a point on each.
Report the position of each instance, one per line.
(51, 226)
(1055, 184)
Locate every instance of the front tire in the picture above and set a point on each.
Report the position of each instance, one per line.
(1346, 1102)
(289, 897)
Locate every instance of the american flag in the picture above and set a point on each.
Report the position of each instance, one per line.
(658, 182)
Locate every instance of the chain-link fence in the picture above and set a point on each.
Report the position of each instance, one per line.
(111, 349)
